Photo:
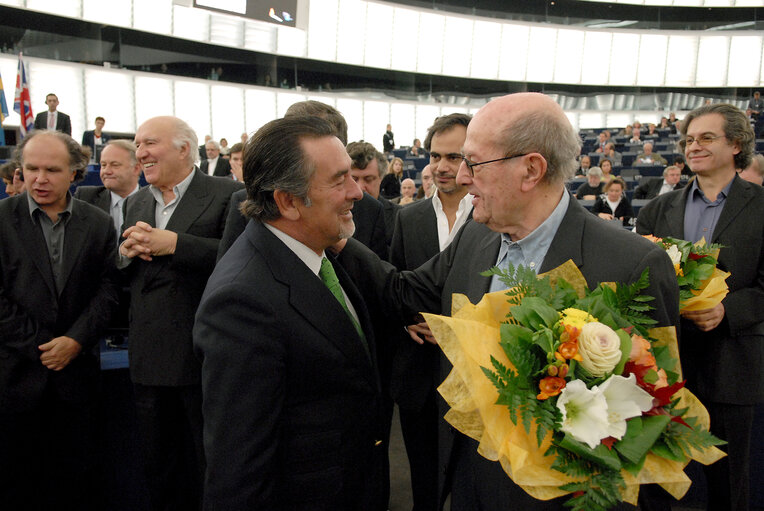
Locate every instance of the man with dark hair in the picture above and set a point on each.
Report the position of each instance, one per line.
(120, 172)
(53, 119)
(95, 138)
(388, 140)
(236, 159)
(370, 224)
(172, 230)
(290, 382)
(651, 187)
(518, 154)
(722, 347)
(57, 294)
(422, 230)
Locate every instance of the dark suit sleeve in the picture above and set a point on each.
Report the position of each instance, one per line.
(96, 314)
(19, 330)
(600, 207)
(646, 218)
(238, 338)
(641, 191)
(379, 235)
(39, 123)
(66, 123)
(234, 225)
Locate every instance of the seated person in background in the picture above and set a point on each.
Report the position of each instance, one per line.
(614, 203)
(224, 149)
(651, 133)
(626, 132)
(416, 148)
(390, 187)
(603, 138)
(664, 123)
(648, 157)
(11, 178)
(607, 170)
(428, 185)
(684, 169)
(651, 187)
(754, 173)
(408, 191)
(593, 186)
(584, 164)
(610, 153)
(94, 138)
(635, 136)
(236, 157)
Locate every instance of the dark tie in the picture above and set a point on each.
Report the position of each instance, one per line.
(331, 281)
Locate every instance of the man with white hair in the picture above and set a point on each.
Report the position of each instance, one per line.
(754, 173)
(172, 231)
(649, 157)
(214, 165)
(519, 152)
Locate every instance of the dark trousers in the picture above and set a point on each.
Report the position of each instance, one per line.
(48, 457)
(170, 426)
(728, 479)
(420, 435)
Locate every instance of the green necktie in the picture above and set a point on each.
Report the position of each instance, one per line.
(329, 278)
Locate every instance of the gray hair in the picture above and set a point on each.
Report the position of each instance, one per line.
(737, 129)
(78, 156)
(185, 135)
(127, 146)
(595, 171)
(549, 134)
(274, 159)
(214, 143)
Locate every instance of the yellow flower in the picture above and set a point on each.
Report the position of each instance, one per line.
(678, 270)
(576, 318)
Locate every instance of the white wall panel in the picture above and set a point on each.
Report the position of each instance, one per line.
(191, 24)
(716, 50)
(226, 30)
(110, 95)
(192, 104)
(379, 49)
(112, 13)
(152, 16)
(322, 30)
(291, 41)
(352, 38)
(486, 39)
(402, 117)
(541, 54)
(745, 54)
(569, 58)
(623, 59)
(596, 57)
(431, 37)
(8, 70)
(352, 110)
(457, 46)
(286, 99)
(153, 96)
(405, 39)
(651, 69)
(375, 117)
(424, 118)
(681, 60)
(68, 8)
(514, 52)
(259, 108)
(573, 118)
(227, 113)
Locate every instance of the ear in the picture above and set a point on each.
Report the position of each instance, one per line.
(289, 205)
(535, 170)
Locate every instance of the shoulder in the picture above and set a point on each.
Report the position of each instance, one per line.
(90, 213)
(416, 208)
(88, 191)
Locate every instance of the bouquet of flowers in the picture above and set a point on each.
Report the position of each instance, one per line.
(701, 284)
(590, 402)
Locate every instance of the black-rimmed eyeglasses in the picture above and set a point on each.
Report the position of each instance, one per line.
(470, 165)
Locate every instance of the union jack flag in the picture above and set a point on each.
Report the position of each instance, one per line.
(22, 102)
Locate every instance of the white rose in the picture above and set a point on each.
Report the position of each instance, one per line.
(599, 347)
(675, 254)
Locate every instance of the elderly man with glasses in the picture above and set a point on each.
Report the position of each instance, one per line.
(518, 153)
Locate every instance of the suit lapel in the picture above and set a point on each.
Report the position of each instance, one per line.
(427, 231)
(484, 258)
(191, 205)
(104, 200)
(674, 213)
(739, 196)
(34, 243)
(74, 241)
(567, 241)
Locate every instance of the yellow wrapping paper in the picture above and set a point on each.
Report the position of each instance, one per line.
(712, 292)
(469, 338)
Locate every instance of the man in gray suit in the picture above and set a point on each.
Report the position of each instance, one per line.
(172, 231)
(519, 152)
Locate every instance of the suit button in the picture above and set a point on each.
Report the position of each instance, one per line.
(377, 443)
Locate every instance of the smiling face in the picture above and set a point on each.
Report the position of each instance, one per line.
(164, 163)
(446, 157)
(118, 173)
(47, 176)
(332, 193)
(718, 156)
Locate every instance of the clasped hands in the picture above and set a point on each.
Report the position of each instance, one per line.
(59, 352)
(145, 241)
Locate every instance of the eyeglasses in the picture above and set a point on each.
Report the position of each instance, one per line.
(470, 165)
(703, 140)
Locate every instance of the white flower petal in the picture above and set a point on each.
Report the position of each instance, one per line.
(584, 413)
(625, 399)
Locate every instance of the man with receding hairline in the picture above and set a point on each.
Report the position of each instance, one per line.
(172, 229)
(518, 153)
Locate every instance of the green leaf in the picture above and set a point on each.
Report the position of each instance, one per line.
(600, 455)
(641, 434)
(625, 351)
(534, 313)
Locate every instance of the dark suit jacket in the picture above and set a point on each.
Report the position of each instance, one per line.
(724, 365)
(98, 196)
(581, 237)
(650, 187)
(368, 217)
(390, 210)
(222, 169)
(88, 139)
(165, 291)
(415, 367)
(63, 123)
(290, 392)
(32, 312)
(623, 209)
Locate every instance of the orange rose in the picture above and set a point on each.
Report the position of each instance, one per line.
(550, 386)
(640, 352)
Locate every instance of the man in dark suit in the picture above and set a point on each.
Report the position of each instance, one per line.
(215, 165)
(423, 229)
(723, 347)
(172, 231)
(95, 138)
(53, 119)
(57, 295)
(289, 370)
(120, 172)
(369, 165)
(651, 187)
(525, 149)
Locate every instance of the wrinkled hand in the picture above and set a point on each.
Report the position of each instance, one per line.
(421, 333)
(58, 352)
(606, 216)
(707, 319)
(144, 241)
